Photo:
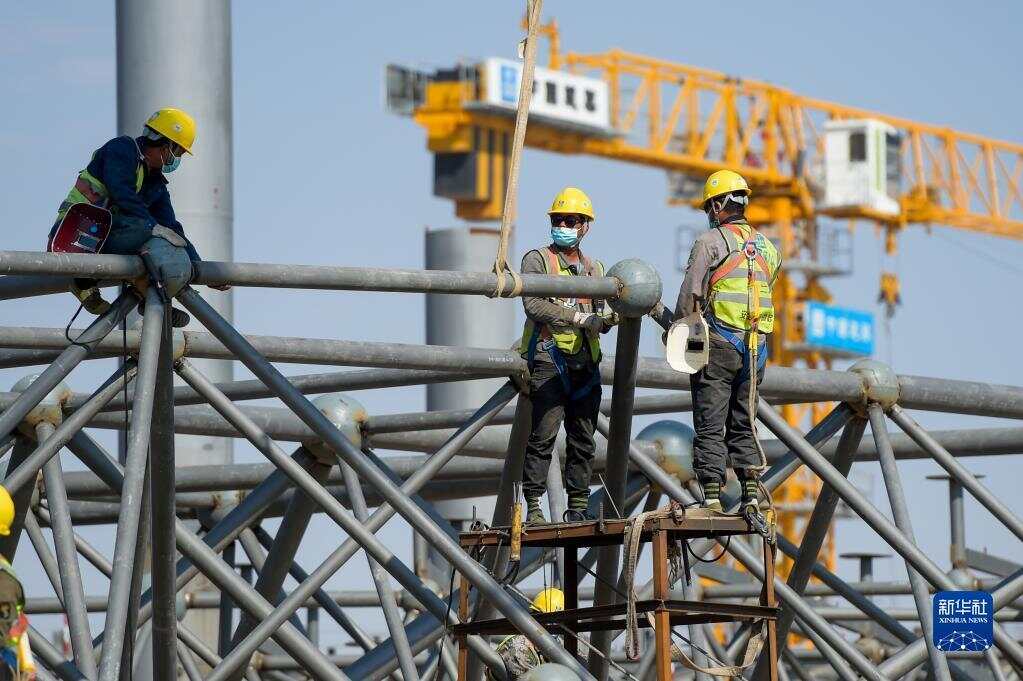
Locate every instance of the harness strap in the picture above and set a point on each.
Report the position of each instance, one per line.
(741, 346)
(738, 258)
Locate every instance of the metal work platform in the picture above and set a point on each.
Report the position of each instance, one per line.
(693, 523)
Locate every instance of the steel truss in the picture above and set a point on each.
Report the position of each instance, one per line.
(335, 471)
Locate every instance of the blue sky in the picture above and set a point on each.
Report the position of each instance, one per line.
(323, 175)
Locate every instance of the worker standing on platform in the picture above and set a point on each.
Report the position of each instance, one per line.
(120, 205)
(517, 652)
(731, 271)
(561, 343)
(16, 660)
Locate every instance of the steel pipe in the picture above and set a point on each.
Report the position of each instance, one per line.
(360, 534)
(351, 455)
(71, 355)
(619, 438)
(126, 539)
(333, 278)
(392, 617)
(67, 560)
(815, 533)
(26, 471)
(900, 513)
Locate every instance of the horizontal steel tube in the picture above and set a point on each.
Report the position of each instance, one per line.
(364, 379)
(334, 278)
(780, 383)
(242, 476)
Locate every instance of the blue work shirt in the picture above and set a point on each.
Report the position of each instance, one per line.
(135, 213)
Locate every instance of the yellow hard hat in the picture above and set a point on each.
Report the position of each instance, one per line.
(572, 200)
(6, 512)
(175, 125)
(724, 182)
(550, 599)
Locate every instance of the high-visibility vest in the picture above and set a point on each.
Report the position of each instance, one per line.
(740, 287)
(89, 189)
(569, 339)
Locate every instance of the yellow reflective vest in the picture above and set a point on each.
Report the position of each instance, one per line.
(569, 339)
(740, 287)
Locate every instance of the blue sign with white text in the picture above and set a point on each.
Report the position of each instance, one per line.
(963, 621)
(509, 83)
(839, 328)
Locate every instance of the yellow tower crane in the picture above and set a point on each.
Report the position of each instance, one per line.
(803, 158)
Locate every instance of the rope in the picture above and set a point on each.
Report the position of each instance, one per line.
(501, 268)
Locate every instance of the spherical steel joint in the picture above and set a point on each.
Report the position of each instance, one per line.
(639, 287)
(964, 579)
(347, 414)
(880, 383)
(674, 445)
(49, 410)
(550, 671)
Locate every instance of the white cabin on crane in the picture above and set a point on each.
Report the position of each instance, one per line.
(862, 165)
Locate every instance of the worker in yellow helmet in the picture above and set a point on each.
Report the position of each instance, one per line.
(119, 204)
(731, 271)
(561, 343)
(15, 651)
(518, 652)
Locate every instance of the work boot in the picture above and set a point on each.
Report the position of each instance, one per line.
(578, 509)
(90, 298)
(750, 492)
(534, 514)
(712, 496)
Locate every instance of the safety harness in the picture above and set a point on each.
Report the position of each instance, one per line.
(542, 337)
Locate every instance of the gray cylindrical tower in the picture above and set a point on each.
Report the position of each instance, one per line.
(468, 321)
(179, 54)
(472, 321)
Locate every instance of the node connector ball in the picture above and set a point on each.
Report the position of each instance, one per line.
(50, 409)
(550, 671)
(674, 444)
(880, 384)
(640, 287)
(964, 579)
(347, 414)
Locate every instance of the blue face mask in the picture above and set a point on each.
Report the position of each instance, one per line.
(566, 237)
(173, 165)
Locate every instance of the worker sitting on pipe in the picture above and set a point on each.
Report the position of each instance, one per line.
(561, 343)
(16, 661)
(120, 205)
(517, 652)
(728, 282)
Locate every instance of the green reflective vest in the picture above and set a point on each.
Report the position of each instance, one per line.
(89, 189)
(740, 287)
(569, 339)
(12, 602)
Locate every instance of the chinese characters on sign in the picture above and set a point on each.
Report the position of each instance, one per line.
(963, 621)
(839, 328)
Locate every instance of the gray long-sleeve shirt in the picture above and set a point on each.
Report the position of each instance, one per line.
(543, 310)
(709, 250)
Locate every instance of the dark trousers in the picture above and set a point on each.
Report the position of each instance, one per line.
(551, 407)
(721, 415)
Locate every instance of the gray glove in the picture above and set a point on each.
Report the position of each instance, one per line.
(588, 321)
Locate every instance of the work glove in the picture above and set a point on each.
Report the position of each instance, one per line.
(588, 321)
(609, 320)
